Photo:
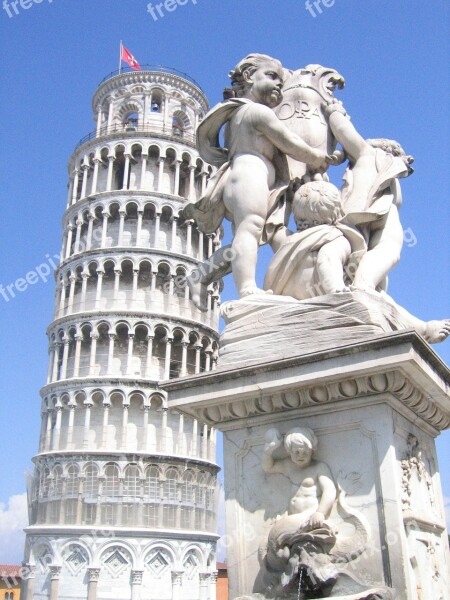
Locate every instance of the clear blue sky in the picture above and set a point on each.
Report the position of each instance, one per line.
(394, 55)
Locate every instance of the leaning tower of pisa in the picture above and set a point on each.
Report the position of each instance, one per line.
(122, 502)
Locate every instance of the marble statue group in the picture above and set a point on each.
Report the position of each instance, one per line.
(283, 131)
(275, 139)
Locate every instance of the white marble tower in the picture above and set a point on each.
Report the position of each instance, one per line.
(123, 498)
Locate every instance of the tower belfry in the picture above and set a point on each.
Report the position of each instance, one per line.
(123, 499)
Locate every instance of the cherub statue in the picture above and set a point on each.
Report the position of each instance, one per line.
(308, 509)
(306, 549)
(371, 196)
(253, 168)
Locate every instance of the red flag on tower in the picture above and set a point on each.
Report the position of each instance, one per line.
(127, 57)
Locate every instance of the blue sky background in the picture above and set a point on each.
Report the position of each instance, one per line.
(393, 53)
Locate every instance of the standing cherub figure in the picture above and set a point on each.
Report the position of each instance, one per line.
(246, 187)
(371, 196)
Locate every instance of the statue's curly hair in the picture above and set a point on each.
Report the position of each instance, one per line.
(317, 203)
(249, 65)
(394, 148)
(302, 436)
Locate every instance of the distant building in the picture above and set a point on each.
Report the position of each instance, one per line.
(10, 582)
(123, 502)
(222, 581)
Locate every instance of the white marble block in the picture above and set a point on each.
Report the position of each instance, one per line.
(375, 408)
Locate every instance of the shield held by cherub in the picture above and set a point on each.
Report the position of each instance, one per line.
(305, 92)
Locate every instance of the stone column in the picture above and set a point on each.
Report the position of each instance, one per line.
(122, 215)
(144, 158)
(176, 187)
(48, 432)
(56, 361)
(130, 353)
(145, 427)
(28, 581)
(184, 349)
(92, 361)
(99, 121)
(139, 227)
(213, 585)
(149, 355)
(198, 349)
(161, 173)
(76, 180)
(192, 183)
(84, 278)
(71, 406)
(167, 358)
(57, 430)
(55, 572)
(93, 577)
(136, 584)
(125, 425)
(204, 585)
(97, 162)
(106, 216)
(177, 582)
(70, 229)
(85, 169)
(189, 237)
(79, 223)
(76, 363)
(157, 224)
(91, 219)
(135, 285)
(111, 160)
(126, 171)
(201, 254)
(87, 423)
(112, 338)
(106, 407)
(204, 176)
(173, 239)
(98, 295)
(110, 112)
(117, 274)
(62, 300)
(72, 279)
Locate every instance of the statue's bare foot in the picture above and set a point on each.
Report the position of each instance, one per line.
(437, 331)
(195, 287)
(250, 291)
(341, 290)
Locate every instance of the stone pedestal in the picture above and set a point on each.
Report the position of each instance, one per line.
(375, 408)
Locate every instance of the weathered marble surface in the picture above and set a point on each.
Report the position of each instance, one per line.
(275, 327)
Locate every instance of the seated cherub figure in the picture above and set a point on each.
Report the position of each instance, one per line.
(314, 261)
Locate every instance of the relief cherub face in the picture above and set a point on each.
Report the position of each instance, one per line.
(301, 454)
(266, 85)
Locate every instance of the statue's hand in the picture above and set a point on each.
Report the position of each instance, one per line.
(319, 161)
(335, 106)
(316, 520)
(273, 440)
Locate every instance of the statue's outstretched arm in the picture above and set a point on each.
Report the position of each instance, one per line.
(344, 131)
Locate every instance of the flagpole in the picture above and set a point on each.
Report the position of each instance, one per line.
(120, 58)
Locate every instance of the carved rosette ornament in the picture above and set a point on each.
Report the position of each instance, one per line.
(93, 573)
